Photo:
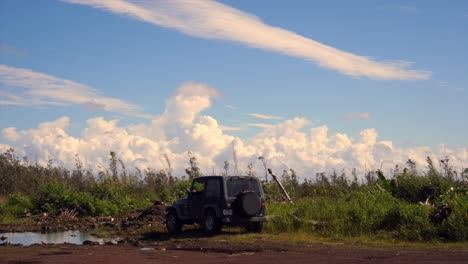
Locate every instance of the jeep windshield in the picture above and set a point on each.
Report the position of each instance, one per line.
(236, 185)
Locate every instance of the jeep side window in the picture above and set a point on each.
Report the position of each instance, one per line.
(198, 187)
(213, 188)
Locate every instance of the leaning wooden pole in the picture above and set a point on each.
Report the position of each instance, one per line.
(280, 185)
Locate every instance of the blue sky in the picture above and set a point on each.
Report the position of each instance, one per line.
(143, 63)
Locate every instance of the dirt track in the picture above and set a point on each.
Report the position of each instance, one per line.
(202, 251)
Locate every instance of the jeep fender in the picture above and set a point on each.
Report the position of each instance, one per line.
(172, 208)
(178, 211)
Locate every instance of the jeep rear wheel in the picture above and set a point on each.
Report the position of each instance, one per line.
(211, 223)
(173, 223)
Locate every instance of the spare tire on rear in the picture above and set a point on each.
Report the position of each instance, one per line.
(247, 203)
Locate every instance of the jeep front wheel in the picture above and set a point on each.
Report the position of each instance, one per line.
(173, 223)
(211, 223)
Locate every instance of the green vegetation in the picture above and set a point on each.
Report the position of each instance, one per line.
(410, 206)
(33, 189)
(372, 212)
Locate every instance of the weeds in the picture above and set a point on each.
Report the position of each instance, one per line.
(372, 212)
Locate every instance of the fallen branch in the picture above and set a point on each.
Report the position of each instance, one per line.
(280, 185)
(311, 222)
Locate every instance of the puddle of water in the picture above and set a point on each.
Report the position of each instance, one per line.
(71, 237)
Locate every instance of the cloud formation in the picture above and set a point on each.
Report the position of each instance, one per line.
(182, 127)
(212, 20)
(26, 87)
(266, 117)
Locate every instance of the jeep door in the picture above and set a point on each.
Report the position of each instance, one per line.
(196, 199)
(214, 195)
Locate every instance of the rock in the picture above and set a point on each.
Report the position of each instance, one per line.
(90, 243)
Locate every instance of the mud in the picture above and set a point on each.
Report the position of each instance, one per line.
(207, 251)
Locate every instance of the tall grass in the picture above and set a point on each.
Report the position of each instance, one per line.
(372, 212)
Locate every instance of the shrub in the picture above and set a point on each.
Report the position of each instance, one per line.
(455, 226)
(54, 196)
(415, 188)
(409, 222)
(17, 205)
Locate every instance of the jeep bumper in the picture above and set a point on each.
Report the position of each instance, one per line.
(243, 220)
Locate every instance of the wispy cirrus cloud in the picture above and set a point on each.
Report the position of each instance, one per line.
(231, 128)
(358, 116)
(260, 125)
(265, 117)
(212, 20)
(26, 87)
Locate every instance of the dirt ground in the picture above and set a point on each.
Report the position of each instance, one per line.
(204, 251)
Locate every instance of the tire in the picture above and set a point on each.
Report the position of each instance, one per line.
(211, 223)
(173, 224)
(248, 203)
(255, 227)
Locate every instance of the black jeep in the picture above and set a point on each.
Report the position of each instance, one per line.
(214, 201)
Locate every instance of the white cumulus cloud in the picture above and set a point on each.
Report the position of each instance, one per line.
(212, 20)
(288, 144)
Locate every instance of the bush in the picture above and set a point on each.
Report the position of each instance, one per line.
(17, 205)
(409, 222)
(455, 226)
(416, 188)
(54, 196)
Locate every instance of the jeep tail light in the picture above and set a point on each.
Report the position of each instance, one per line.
(228, 206)
(263, 205)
